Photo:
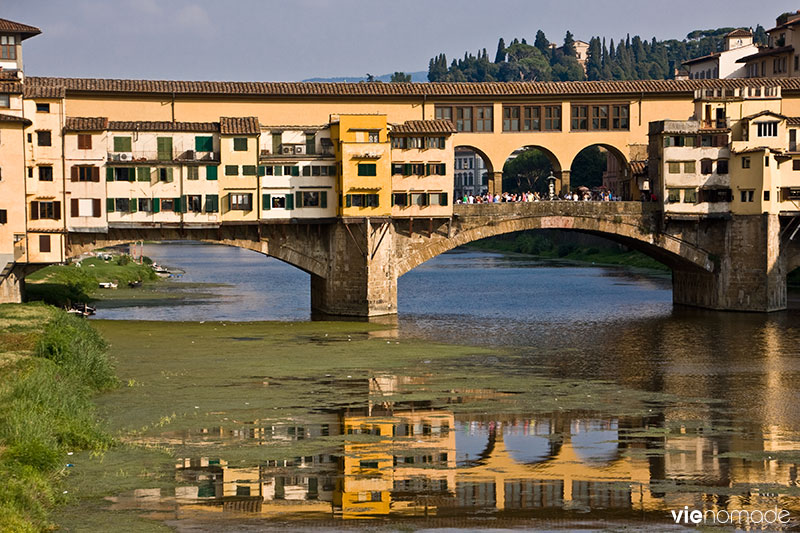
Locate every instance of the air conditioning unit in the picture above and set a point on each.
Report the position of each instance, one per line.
(125, 157)
(287, 150)
(299, 149)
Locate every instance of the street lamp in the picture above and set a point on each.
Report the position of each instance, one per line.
(551, 186)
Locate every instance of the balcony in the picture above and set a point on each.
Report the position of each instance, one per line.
(156, 156)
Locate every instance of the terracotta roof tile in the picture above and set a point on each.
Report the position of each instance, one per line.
(739, 33)
(10, 87)
(443, 89)
(239, 126)
(200, 127)
(16, 27)
(14, 118)
(85, 123)
(425, 126)
(639, 168)
(6, 74)
(29, 91)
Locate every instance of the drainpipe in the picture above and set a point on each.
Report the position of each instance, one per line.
(172, 105)
(424, 99)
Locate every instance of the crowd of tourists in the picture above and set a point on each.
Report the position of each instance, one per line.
(574, 196)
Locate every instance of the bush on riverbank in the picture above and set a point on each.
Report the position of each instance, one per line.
(546, 246)
(52, 364)
(62, 285)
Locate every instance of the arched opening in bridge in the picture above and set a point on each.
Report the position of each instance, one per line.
(472, 172)
(527, 169)
(212, 282)
(599, 169)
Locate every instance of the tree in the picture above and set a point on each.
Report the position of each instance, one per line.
(500, 56)
(400, 77)
(569, 45)
(370, 78)
(594, 61)
(527, 171)
(528, 63)
(542, 43)
(588, 167)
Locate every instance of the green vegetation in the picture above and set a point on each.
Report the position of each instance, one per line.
(62, 285)
(630, 59)
(546, 247)
(528, 171)
(51, 364)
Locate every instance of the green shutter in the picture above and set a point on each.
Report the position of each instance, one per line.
(164, 146)
(211, 172)
(306, 170)
(323, 199)
(278, 170)
(406, 169)
(443, 200)
(109, 174)
(266, 204)
(348, 201)
(169, 174)
(156, 205)
(122, 144)
(133, 205)
(428, 167)
(240, 144)
(203, 144)
(442, 169)
(295, 170)
(177, 205)
(143, 174)
(262, 170)
(110, 205)
(289, 201)
(212, 203)
(131, 174)
(298, 199)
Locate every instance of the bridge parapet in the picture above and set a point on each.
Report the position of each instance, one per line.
(556, 208)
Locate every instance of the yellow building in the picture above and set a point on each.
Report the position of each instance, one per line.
(238, 182)
(363, 155)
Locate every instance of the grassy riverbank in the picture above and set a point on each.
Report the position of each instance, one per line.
(547, 247)
(61, 285)
(51, 364)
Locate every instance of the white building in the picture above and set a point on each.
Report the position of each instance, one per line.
(738, 44)
(470, 174)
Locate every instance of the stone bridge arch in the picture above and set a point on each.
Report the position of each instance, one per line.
(629, 223)
(295, 245)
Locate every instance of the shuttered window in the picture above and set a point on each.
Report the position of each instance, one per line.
(143, 174)
(240, 144)
(84, 141)
(211, 173)
(367, 169)
(231, 170)
(203, 143)
(44, 243)
(122, 144)
(164, 145)
(212, 203)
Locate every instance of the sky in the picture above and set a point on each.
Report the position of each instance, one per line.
(292, 40)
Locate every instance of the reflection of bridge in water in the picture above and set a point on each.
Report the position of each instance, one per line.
(413, 460)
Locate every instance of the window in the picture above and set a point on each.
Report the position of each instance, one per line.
(194, 203)
(680, 140)
(511, 118)
(212, 203)
(84, 141)
(706, 166)
(746, 195)
(167, 204)
(599, 117)
(45, 173)
(164, 148)
(192, 173)
(240, 144)
(673, 196)
(241, 201)
(746, 163)
(689, 167)
(43, 138)
(619, 117)
(673, 167)
(444, 113)
(552, 118)
(3, 216)
(311, 145)
(44, 243)
(373, 136)
(690, 196)
(362, 200)
(211, 173)
(231, 170)
(146, 205)
(42, 108)
(367, 169)
(722, 166)
(203, 143)
(8, 48)
(766, 196)
(413, 142)
(85, 207)
(143, 174)
(767, 129)
(122, 144)
(5, 101)
(400, 198)
(580, 117)
(248, 170)
(464, 115)
(435, 142)
(165, 175)
(122, 205)
(419, 199)
(45, 210)
(483, 118)
(716, 195)
(278, 202)
(311, 199)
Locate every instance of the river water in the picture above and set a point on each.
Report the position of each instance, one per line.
(508, 392)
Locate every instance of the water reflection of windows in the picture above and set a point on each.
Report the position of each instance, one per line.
(476, 494)
(599, 494)
(420, 484)
(533, 494)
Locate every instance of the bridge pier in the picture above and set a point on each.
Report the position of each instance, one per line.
(495, 182)
(361, 275)
(12, 285)
(751, 269)
(563, 181)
